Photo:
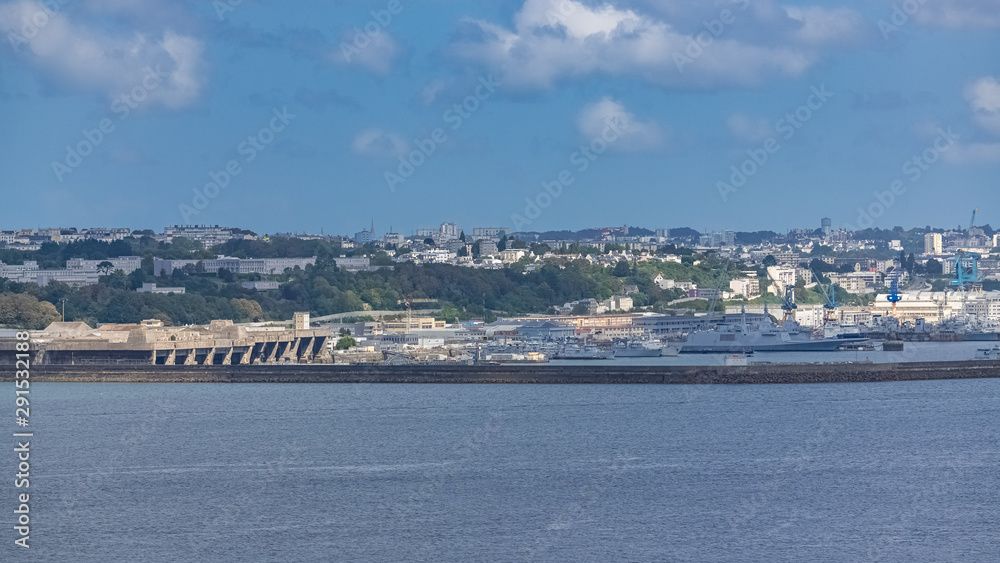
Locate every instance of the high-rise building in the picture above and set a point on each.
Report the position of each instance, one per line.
(933, 243)
(718, 238)
(827, 225)
(489, 232)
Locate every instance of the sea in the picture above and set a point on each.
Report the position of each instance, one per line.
(901, 471)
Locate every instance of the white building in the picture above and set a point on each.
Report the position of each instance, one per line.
(263, 266)
(260, 285)
(208, 235)
(512, 255)
(618, 303)
(151, 288)
(747, 287)
(482, 233)
(933, 243)
(127, 264)
(29, 272)
(857, 282)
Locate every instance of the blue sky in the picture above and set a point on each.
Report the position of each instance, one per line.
(670, 98)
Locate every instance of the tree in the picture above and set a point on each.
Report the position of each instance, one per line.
(461, 236)
(21, 310)
(934, 268)
(104, 268)
(345, 342)
(247, 310)
(770, 260)
(226, 276)
(462, 251)
(429, 241)
(621, 269)
(581, 308)
(502, 243)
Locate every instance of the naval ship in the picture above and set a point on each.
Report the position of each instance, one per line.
(764, 336)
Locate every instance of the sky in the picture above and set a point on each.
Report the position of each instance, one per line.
(536, 115)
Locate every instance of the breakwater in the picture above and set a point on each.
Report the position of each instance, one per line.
(512, 374)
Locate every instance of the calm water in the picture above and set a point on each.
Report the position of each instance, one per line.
(845, 472)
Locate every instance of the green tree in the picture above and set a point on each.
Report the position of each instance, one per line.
(934, 267)
(770, 260)
(621, 269)
(345, 342)
(21, 310)
(247, 310)
(104, 268)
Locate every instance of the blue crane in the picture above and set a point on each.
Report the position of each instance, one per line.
(830, 304)
(965, 266)
(894, 296)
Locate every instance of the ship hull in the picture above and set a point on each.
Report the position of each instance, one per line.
(827, 345)
(646, 353)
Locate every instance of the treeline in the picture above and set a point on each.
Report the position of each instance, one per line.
(464, 293)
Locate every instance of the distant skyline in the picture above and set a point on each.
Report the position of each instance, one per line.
(536, 115)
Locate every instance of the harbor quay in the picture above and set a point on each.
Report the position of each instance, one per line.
(510, 374)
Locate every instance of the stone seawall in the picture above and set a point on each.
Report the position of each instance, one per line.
(545, 374)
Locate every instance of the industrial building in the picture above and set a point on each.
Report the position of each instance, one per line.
(219, 343)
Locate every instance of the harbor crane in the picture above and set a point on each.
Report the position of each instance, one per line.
(965, 265)
(830, 304)
(894, 297)
(788, 304)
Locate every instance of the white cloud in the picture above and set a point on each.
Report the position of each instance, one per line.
(637, 136)
(558, 40)
(821, 26)
(960, 14)
(984, 97)
(748, 129)
(77, 57)
(973, 153)
(432, 90)
(379, 143)
(376, 53)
